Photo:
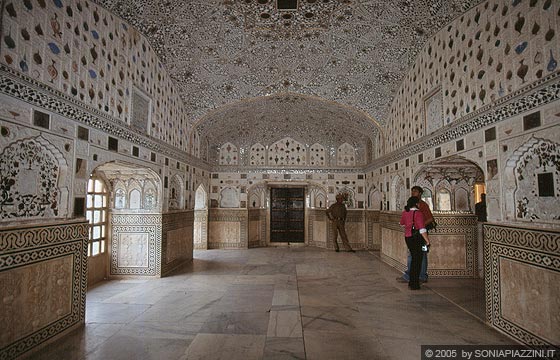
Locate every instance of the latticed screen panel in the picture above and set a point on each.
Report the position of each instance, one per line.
(96, 214)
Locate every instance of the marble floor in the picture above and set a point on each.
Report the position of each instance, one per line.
(271, 303)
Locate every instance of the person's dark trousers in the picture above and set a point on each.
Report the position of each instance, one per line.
(415, 247)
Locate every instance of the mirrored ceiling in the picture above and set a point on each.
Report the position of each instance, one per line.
(353, 52)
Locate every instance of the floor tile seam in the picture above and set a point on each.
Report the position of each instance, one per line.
(300, 314)
(102, 343)
(459, 306)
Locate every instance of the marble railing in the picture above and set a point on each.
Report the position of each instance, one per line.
(241, 229)
(43, 283)
(522, 281)
(453, 252)
(150, 244)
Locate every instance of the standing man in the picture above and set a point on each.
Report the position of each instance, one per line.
(416, 192)
(337, 214)
(480, 208)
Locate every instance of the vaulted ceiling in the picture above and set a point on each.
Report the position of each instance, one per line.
(307, 119)
(353, 53)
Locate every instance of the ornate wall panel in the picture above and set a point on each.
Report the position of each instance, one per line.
(43, 281)
(177, 240)
(140, 112)
(433, 109)
(535, 159)
(523, 263)
(229, 155)
(287, 152)
(317, 155)
(227, 229)
(345, 155)
(229, 198)
(257, 155)
(33, 178)
(136, 246)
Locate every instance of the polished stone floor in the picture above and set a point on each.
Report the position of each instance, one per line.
(271, 303)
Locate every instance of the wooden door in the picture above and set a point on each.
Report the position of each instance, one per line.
(287, 215)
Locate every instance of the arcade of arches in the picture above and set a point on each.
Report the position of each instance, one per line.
(134, 135)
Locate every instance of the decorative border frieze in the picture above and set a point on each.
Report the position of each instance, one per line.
(286, 170)
(225, 245)
(33, 92)
(529, 238)
(136, 219)
(35, 244)
(36, 236)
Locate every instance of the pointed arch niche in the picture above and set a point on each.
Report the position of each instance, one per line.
(33, 175)
(200, 231)
(531, 182)
(375, 199)
(287, 152)
(229, 155)
(398, 194)
(257, 214)
(451, 183)
(176, 193)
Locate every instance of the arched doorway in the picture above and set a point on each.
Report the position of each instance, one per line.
(452, 187)
(200, 235)
(121, 197)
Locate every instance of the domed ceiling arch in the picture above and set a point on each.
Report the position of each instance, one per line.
(354, 52)
(305, 118)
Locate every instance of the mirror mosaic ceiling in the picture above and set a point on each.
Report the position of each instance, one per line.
(349, 52)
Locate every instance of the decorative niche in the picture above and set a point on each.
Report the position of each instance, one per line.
(140, 116)
(433, 111)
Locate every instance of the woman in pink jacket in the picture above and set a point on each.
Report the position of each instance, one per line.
(415, 235)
